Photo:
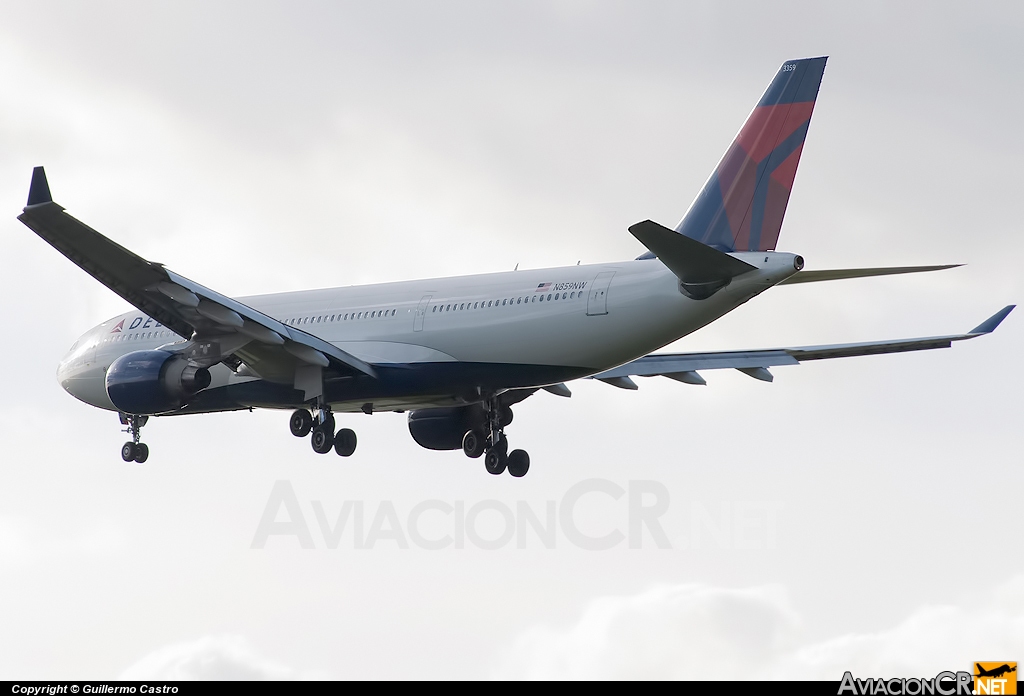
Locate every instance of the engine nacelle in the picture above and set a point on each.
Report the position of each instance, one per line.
(444, 428)
(148, 382)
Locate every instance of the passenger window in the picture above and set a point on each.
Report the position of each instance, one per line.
(549, 298)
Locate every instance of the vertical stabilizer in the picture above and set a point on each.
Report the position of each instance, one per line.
(742, 205)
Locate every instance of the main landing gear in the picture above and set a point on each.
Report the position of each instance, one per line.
(323, 438)
(493, 445)
(134, 451)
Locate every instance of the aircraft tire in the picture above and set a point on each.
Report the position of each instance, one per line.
(128, 451)
(345, 442)
(518, 463)
(141, 453)
(473, 444)
(300, 423)
(495, 461)
(505, 416)
(322, 440)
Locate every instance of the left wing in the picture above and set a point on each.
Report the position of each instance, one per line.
(684, 366)
(220, 329)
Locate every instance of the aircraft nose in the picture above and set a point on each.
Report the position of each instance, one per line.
(82, 377)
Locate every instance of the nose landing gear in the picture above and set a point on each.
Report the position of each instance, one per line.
(134, 451)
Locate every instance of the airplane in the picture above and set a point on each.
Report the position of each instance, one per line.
(995, 672)
(457, 353)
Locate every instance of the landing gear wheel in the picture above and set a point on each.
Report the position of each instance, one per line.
(495, 461)
(473, 444)
(141, 453)
(345, 442)
(300, 423)
(504, 416)
(518, 463)
(322, 440)
(128, 451)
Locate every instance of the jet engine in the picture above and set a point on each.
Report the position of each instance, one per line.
(148, 382)
(444, 428)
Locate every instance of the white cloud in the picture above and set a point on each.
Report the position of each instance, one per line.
(930, 640)
(669, 632)
(699, 632)
(211, 658)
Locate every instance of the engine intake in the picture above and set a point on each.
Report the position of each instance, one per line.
(148, 382)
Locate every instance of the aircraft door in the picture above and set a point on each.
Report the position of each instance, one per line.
(421, 313)
(597, 300)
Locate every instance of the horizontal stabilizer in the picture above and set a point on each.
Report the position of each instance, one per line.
(693, 263)
(844, 273)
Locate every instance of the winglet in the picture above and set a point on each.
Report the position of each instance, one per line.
(39, 191)
(990, 324)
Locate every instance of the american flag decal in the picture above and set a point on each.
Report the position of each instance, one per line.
(543, 287)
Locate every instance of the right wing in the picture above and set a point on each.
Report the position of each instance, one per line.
(684, 366)
(220, 329)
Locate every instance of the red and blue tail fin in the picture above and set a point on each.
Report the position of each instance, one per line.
(743, 203)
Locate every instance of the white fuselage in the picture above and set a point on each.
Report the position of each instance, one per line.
(584, 318)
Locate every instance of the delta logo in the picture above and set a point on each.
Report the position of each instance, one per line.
(119, 328)
(995, 678)
(985, 679)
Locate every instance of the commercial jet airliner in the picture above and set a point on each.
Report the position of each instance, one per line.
(457, 353)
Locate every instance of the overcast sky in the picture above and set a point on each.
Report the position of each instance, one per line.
(855, 514)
